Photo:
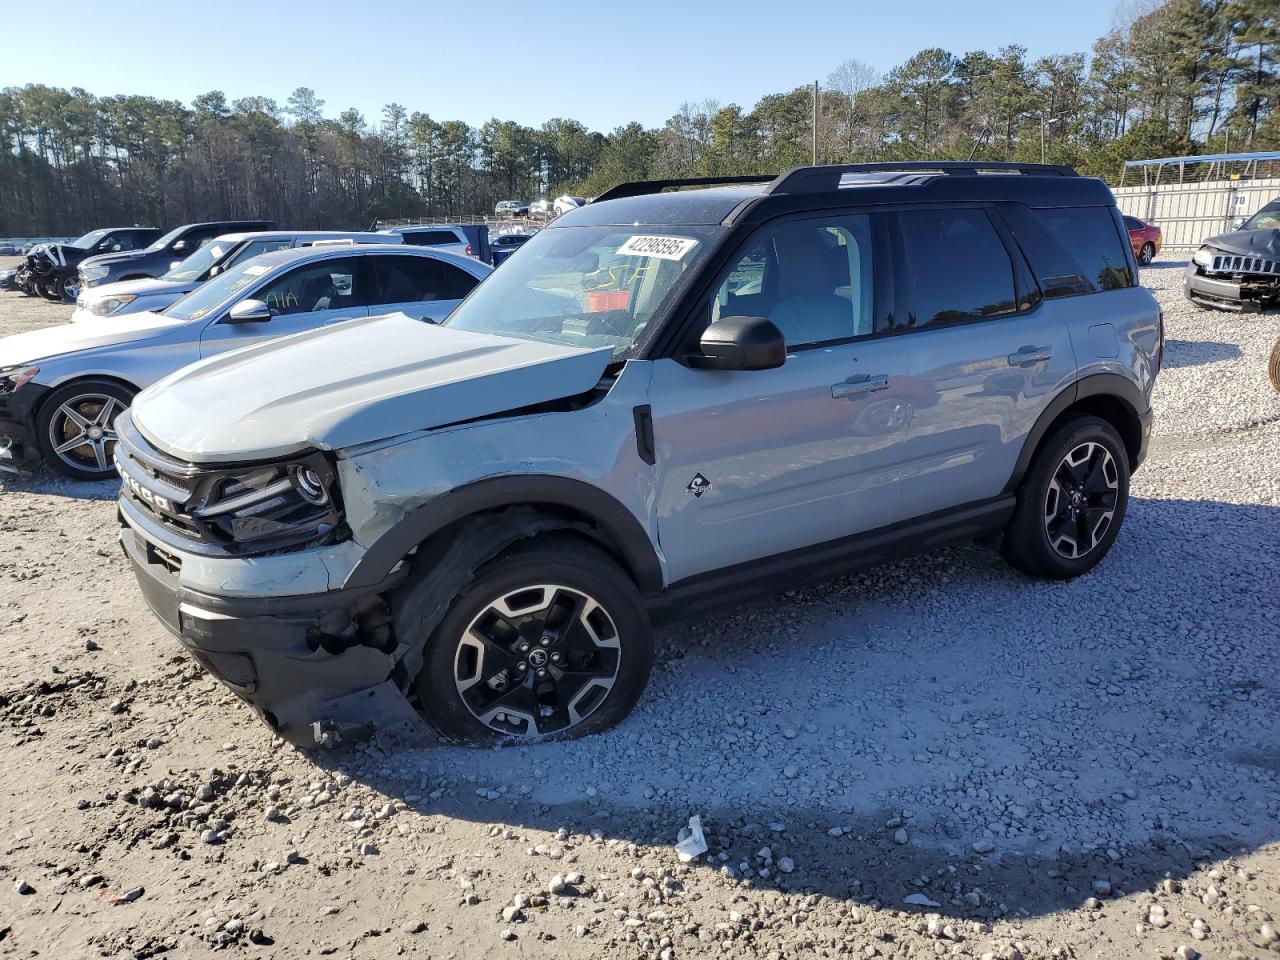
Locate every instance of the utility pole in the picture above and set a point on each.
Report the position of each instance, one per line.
(815, 123)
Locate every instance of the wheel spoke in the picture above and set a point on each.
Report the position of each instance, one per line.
(103, 417)
(100, 453)
(77, 441)
(72, 414)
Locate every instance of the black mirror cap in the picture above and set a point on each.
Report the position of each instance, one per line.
(742, 343)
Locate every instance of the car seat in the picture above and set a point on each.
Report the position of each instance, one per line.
(810, 270)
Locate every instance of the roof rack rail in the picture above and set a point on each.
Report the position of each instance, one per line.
(638, 188)
(828, 177)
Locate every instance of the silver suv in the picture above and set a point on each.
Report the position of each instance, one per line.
(668, 400)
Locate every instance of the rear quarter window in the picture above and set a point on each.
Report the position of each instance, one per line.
(1073, 250)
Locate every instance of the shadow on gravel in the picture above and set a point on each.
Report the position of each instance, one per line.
(1195, 353)
(1039, 743)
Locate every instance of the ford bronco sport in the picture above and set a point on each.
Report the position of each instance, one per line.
(669, 398)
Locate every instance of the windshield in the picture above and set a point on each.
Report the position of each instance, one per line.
(167, 239)
(1268, 218)
(197, 265)
(89, 239)
(207, 297)
(586, 286)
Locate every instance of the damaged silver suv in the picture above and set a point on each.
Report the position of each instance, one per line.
(666, 399)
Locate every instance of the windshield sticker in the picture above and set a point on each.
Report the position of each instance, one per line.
(662, 248)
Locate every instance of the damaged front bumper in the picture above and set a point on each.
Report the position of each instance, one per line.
(1236, 293)
(319, 669)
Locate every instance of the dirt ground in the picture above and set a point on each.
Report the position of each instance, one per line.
(935, 758)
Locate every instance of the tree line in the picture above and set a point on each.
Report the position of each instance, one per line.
(1171, 78)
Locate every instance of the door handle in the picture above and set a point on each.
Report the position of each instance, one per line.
(1027, 356)
(860, 387)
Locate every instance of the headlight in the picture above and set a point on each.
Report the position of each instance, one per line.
(271, 507)
(95, 271)
(11, 378)
(109, 305)
(1203, 257)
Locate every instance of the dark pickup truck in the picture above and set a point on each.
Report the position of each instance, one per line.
(160, 256)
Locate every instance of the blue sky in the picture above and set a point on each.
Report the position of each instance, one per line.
(601, 62)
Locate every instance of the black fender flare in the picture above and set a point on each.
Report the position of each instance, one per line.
(1111, 385)
(620, 527)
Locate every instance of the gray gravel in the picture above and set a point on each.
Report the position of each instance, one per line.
(933, 758)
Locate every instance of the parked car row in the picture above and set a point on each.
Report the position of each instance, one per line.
(62, 387)
(372, 486)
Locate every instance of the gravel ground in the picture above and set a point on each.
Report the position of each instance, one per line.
(937, 757)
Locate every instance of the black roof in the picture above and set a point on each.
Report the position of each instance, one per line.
(837, 185)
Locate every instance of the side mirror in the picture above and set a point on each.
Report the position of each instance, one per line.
(181, 246)
(741, 343)
(214, 271)
(249, 311)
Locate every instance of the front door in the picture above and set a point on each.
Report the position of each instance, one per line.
(304, 298)
(756, 463)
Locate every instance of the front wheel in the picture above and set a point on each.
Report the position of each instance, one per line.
(68, 288)
(549, 640)
(48, 288)
(1071, 503)
(75, 428)
(1147, 253)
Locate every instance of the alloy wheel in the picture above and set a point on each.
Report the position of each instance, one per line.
(1146, 254)
(82, 431)
(537, 661)
(1081, 500)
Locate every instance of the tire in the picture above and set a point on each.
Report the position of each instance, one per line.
(98, 403)
(1273, 366)
(1147, 253)
(597, 622)
(67, 288)
(1046, 537)
(47, 288)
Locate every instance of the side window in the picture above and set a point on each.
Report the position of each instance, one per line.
(328, 285)
(956, 268)
(1132, 224)
(1091, 236)
(1073, 251)
(253, 248)
(409, 279)
(431, 238)
(813, 278)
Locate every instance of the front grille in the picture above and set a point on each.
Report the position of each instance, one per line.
(158, 486)
(1229, 263)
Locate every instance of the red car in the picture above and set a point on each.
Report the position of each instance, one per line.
(1145, 239)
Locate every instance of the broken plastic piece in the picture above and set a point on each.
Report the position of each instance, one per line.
(693, 845)
(920, 900)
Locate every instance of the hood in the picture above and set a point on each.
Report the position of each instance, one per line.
(123, 256)
(63, 254)
(37, 345)
(1248, 243)
(352, 383)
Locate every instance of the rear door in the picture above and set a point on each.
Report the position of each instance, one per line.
(422, 287)
(308, 296)
(986, 355)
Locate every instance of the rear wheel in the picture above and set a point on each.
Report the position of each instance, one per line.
(1147, 253)
(75, 428)
(549, 640)
(1071, 503)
